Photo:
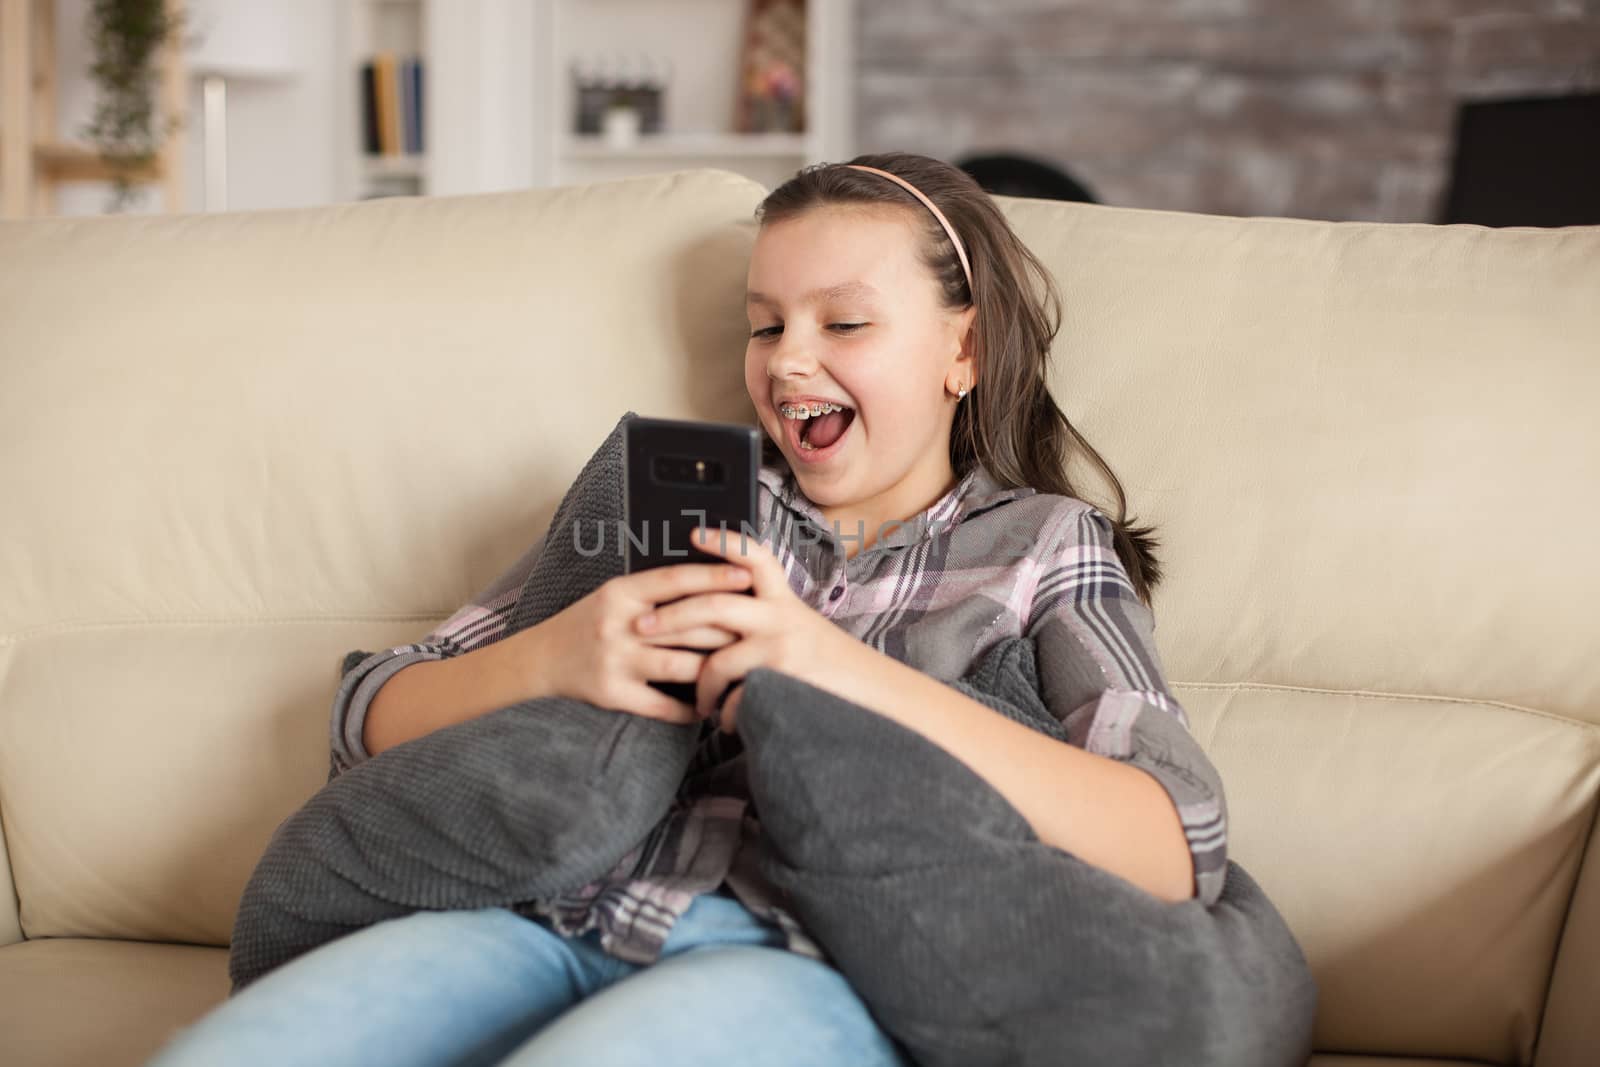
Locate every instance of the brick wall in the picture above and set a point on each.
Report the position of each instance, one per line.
(1328, 109)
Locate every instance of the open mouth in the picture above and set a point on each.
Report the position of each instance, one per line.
(819, 437)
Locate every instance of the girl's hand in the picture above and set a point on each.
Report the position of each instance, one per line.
(775, 628)
(592, 651)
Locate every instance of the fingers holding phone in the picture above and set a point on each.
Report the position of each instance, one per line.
(668, 585)
(594, 650)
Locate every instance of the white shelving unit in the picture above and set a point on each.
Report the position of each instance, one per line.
(370, 27)
(702, 41)
(499, 101)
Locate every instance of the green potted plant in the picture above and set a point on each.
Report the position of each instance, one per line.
(125, 39)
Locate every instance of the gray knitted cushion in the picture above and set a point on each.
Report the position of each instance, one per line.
(974, 943)
(535, 799)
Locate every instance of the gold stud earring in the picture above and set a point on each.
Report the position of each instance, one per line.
(961, 394)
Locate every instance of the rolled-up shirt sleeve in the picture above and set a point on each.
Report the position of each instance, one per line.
(481, 621)
(1100, 675)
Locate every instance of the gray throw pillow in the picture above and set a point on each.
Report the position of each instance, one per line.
(973, 942)
(532, 800)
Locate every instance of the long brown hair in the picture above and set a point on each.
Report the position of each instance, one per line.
(1009, 422)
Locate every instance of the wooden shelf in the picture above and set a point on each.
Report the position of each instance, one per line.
(80, 163)
(689, 146)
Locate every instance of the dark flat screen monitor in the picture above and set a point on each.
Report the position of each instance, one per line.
(1526, 162)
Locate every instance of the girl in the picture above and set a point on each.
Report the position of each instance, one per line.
(915, 511)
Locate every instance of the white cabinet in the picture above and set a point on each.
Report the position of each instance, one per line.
(499, 105)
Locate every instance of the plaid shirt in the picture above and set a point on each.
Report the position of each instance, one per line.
(983, 564)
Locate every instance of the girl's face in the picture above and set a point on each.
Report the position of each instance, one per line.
(843, 311)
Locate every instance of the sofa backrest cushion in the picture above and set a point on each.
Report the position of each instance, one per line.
(236, 446)
(1371, 452)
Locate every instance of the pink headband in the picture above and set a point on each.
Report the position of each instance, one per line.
(929, 204)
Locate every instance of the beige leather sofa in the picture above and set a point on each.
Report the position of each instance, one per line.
(233, 447)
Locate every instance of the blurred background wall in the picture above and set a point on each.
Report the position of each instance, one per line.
(1338, 109)
(1330, 109)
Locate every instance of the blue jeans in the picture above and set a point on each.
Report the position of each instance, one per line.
(475, 988)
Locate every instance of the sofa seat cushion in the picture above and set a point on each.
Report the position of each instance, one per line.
(65, 1002)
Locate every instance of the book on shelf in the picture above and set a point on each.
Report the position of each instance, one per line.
(371, 139)
(391, 105)
(414, 79)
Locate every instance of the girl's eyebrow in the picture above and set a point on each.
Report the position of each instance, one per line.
(830, 292)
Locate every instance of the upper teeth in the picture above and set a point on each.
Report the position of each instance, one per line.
(804, 411)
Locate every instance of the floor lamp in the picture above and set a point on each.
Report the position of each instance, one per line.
(234, 40)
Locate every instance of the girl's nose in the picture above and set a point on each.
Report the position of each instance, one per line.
(790, 358)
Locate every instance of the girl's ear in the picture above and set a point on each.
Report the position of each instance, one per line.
(965, 339)
(964, 321)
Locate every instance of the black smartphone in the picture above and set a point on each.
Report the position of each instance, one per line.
(681, 475)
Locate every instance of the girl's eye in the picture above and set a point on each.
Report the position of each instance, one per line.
(842, 327)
